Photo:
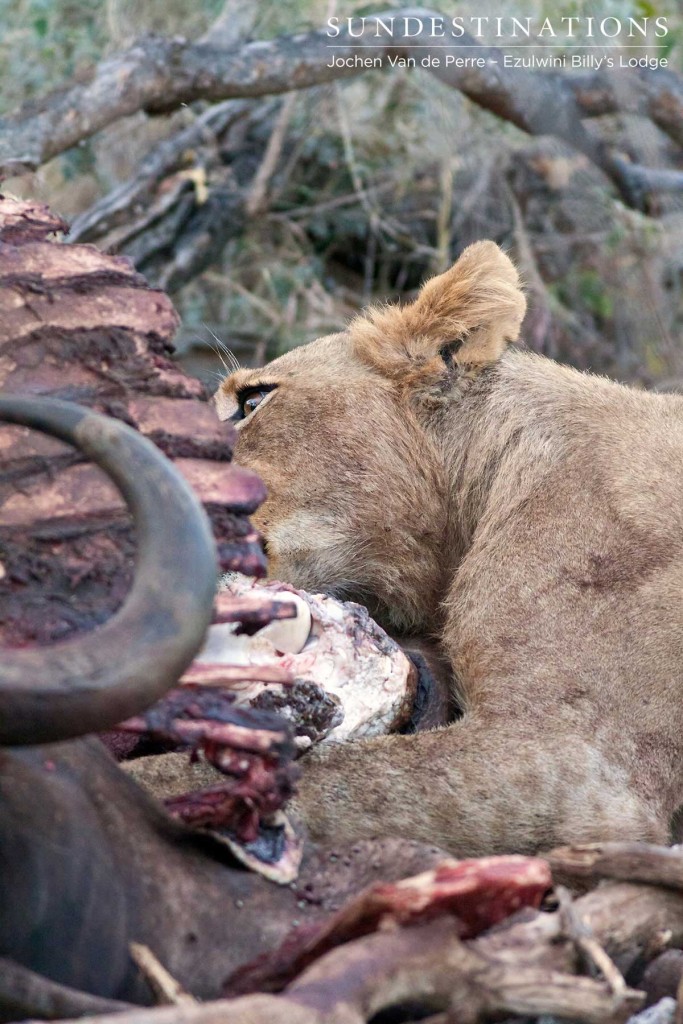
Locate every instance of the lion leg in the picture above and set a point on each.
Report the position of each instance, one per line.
(483, 785)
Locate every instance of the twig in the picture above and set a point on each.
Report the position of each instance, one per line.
(267, 309)
(256, 199)
(545, 302)
(167, 990)
(444, 215)
(585, 942)
(531, 273)
(373, 215)
(348, 199)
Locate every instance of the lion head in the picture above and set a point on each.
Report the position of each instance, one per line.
(348, 433)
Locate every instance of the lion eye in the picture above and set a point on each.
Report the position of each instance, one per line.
(252, 397)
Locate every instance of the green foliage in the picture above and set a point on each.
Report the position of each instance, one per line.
(584, 288)
(645, 9)
(593, 294)
(43, 43)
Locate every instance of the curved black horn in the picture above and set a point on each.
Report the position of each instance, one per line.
(97, 679)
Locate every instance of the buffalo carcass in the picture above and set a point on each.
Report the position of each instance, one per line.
(89, 862)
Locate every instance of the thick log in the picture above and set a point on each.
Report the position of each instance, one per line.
(114, 213)
(81, 325)
(632, 862)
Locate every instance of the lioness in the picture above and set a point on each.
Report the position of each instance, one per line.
(528, 515)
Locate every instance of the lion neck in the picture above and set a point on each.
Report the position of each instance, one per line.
(500, 438)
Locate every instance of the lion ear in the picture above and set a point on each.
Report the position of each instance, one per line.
(474, 309)
(466, 315)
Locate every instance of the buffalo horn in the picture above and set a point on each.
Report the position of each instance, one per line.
(92, 681)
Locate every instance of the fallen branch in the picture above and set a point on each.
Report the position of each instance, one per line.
(115, 209)
(167, 990)
(633, 862)
(257, 196)
(595, 956)
(433, 967)
(527, 968)
(428, 966)
(159, 75)
(657, 95)
(649, 179)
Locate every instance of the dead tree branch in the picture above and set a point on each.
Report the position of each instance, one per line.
(257, 198)
(434, 967)
(526, 968)
(633, 862)
(158, 75)
(169, 156)
(657, 95)
(167, 990)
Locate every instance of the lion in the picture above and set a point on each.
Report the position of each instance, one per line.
(526, 515)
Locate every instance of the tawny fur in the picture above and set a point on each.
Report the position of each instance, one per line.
(528, 515)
